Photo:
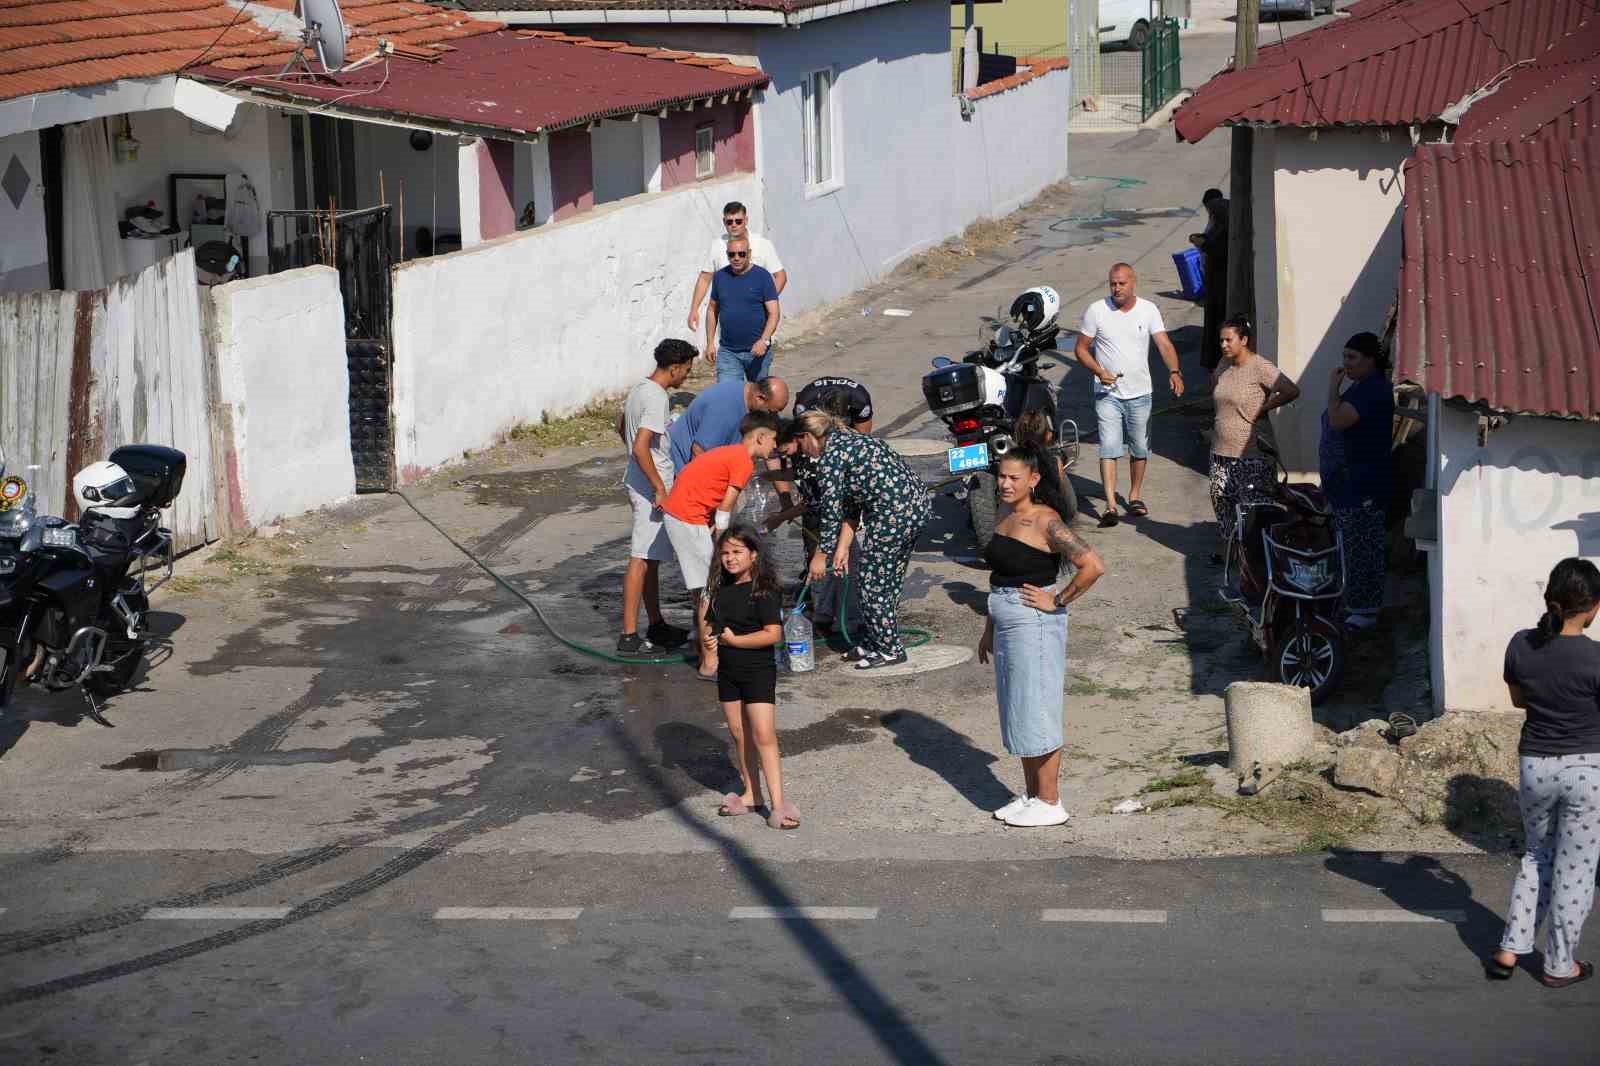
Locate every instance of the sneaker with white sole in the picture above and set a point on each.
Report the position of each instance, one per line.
(1015, 804)
(1036, 814)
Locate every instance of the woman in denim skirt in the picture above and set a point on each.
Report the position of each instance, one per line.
(1026, 634)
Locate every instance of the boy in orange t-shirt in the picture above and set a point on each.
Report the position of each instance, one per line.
(703, 495)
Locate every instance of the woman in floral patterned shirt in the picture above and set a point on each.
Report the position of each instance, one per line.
(854, 470)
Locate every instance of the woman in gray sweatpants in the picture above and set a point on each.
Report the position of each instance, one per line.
(1554, 674)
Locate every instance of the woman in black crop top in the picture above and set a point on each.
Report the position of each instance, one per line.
(1026, 633)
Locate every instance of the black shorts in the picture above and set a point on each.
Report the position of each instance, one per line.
(755, 686)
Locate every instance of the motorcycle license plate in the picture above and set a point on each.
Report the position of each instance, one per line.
(972, 457)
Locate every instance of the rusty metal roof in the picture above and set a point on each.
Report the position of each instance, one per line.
(1390, 62)
(1500, 280)
(636, 5)
(524, 82)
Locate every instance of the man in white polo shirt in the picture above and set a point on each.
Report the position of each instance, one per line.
(735, 224)
(1114, 346)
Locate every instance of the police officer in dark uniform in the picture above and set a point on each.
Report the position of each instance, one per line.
(841, 397)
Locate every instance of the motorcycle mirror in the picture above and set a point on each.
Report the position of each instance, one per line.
(940, 362)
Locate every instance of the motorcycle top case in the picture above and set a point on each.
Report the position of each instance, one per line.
(953, 389)
(157, 471)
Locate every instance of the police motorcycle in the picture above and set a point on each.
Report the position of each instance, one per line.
(74, 597)
(980, 399)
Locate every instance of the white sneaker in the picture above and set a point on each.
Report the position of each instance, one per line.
(1036, 814)
(1016, 804)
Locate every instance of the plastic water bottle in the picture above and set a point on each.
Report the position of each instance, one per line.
(797, 643)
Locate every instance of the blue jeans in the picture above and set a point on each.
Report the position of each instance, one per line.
(740, 364)
(1124, 425)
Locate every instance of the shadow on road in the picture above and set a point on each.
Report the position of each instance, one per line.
(952, 755)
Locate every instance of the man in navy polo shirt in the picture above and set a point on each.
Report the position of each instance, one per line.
(744, 304)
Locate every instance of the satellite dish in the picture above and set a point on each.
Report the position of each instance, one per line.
(324, 32)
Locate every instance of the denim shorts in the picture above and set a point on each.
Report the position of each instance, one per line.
(1123, 421)
(1030, 673)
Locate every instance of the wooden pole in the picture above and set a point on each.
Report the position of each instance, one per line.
(1241, 243)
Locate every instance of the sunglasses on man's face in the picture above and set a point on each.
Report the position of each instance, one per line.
(733, 222)
(738, 255)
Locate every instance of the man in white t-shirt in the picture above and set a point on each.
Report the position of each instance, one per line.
(643, 428)
(1114, 346)
(735, 223)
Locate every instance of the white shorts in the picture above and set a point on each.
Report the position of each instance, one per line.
(692, 544)
(649, 535)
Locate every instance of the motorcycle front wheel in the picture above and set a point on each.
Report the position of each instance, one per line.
(1310, 653)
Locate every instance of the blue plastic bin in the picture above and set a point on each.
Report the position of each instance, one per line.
(1191, 273)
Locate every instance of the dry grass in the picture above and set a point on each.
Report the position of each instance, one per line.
(595, 422)
(1189, 778)
(1308, 807)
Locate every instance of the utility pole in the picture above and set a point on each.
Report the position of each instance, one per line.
(1241, 242)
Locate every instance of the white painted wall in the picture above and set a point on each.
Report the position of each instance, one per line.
(1508, 512)
(616, 151)
(914, 171)
(544, 320)
(291, 444)
(1327, 233)
(24, 250)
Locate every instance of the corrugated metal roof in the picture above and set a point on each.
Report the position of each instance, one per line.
(636, 5)
(525, 82)
(1397, 62)
(1500, 281)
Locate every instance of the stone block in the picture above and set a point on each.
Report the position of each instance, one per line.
(1371, 769)
(1268, 725)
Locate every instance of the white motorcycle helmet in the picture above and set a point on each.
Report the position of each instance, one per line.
(1036, 309)
(107, 489)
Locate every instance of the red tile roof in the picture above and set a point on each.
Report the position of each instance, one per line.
(1500, 281)
(1028, 68)
(525, 82)
(1390, 62)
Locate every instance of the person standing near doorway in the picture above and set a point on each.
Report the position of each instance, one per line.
(744, 308)
(1213, 246)
(1114, 345)
(649, 478)
(735, 223)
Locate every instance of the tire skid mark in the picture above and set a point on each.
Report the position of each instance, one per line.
(392, 870)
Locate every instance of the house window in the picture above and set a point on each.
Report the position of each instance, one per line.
(705, 151)
(817, 94)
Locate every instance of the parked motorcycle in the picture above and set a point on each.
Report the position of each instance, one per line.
(981, 398)
(1289, 562)
(74, 597)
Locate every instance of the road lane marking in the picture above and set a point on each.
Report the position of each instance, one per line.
(214, 914)
(507, 914)
(1390, 914)
(858, 914)
(1104, 915)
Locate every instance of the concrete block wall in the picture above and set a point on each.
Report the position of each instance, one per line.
(279, 346)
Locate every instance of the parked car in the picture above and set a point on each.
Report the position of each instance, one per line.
(1306, 9)
(1127, 22)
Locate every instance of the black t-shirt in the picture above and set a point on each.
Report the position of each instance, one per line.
(857, 398)
(735, 608)
(1560, 683)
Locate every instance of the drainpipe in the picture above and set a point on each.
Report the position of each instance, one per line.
(969, 50)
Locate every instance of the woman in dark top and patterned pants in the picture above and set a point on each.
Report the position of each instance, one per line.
(854, 470)
(1554, 674)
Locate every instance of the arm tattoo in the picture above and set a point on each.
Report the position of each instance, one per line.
(1064, 541)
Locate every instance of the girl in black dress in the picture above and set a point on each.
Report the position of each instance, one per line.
(745, 613)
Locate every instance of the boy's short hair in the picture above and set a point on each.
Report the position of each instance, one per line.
(789, 430)
(734, 207)
(758, 420)
(673, 352)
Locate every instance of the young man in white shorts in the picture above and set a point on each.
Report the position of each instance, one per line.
(649, 479)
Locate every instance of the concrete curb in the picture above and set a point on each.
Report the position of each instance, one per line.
(1164, 116)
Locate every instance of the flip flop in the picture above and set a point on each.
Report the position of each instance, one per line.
(733, 806)
(1138, 508)
(1497, 970)
(706, 677)
(1585, 971)
(785, 817)
(1108, 520)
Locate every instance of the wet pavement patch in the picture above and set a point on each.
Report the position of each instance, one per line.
(175, 759)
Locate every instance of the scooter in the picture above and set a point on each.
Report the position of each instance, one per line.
(74, 597)
(981, 398)
(1288, 559)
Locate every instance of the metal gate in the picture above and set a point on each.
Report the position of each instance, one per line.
(1160, 78)
(357, 244)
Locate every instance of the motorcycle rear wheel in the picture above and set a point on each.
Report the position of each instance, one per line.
(983, 502)
(1310, 653)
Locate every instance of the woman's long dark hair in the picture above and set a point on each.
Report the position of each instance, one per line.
(1573, 589)
(1048, 491)
(1033, 429)
(763, 578)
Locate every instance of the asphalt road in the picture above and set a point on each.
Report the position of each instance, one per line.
(423, 956)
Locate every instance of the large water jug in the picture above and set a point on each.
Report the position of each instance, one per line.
(797, 643)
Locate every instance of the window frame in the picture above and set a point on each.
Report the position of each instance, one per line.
(809, 134)
(710, 130)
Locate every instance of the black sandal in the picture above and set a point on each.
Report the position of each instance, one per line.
(1108, 520)
(1585, 971)
(1496, 970)
(1138, 509)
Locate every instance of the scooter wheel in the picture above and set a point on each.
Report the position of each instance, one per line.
(1310, 653)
